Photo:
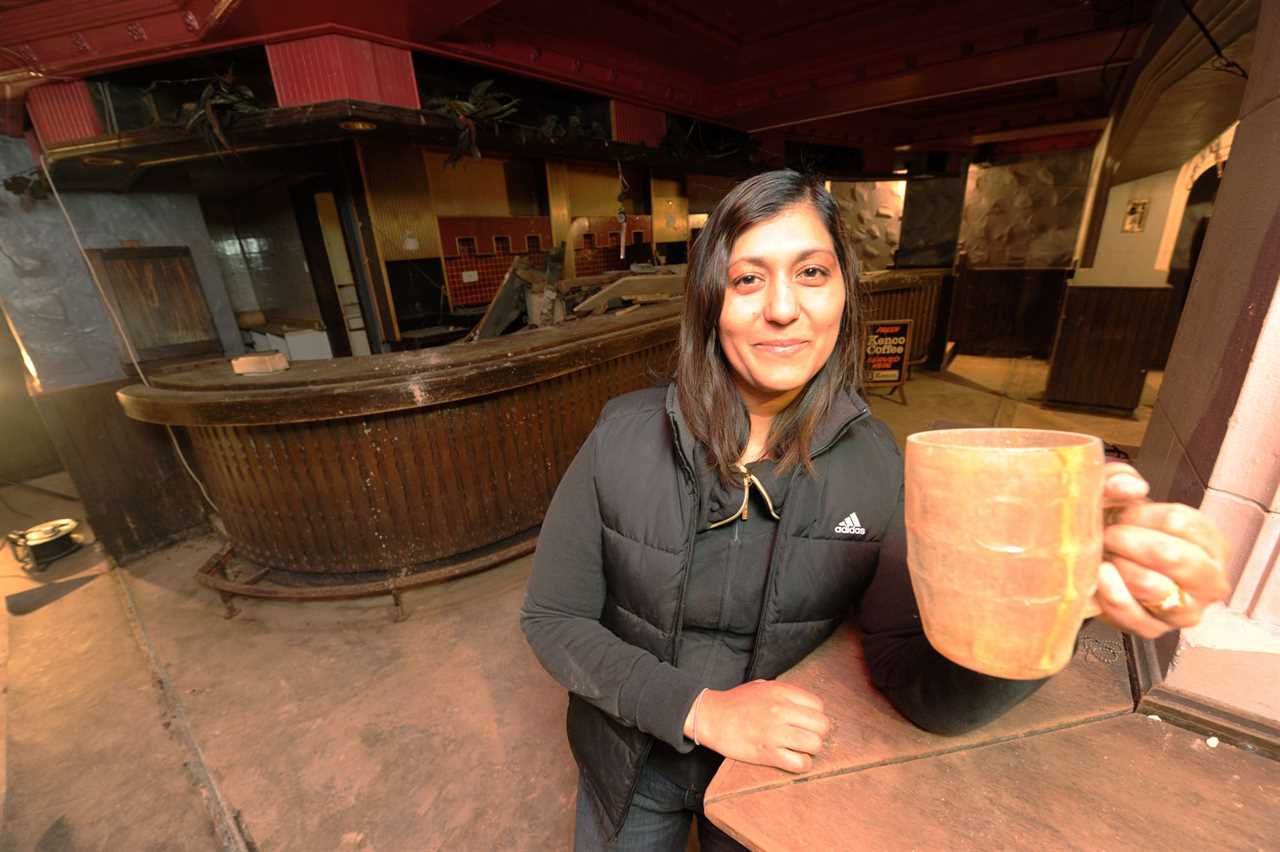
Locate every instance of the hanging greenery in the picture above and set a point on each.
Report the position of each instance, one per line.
(480, 106)
(575, 128)
(688, 138)
(29, 186)
(220, 101)
(483, 106)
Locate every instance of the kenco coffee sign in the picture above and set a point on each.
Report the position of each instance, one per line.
(888, 347)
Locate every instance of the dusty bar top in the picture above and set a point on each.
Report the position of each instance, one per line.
(411, 463)
(349, 387)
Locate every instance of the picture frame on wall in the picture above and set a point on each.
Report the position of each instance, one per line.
(1135, 216)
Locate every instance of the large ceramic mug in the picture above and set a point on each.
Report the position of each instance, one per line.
(1004, 532)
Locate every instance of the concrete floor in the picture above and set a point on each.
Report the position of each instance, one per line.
(138, 717)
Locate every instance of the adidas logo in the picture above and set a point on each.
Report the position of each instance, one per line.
(851, 525)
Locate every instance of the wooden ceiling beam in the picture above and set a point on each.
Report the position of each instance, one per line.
(1080, 128)
(1072, 55)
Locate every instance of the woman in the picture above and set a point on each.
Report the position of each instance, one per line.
(711, 534)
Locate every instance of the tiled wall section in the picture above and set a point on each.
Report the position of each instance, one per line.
(596, 240)
(478, 251)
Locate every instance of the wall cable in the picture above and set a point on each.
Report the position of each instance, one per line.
(1222, 62)
(119, 324)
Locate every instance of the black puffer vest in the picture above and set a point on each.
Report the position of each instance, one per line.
(824, 558)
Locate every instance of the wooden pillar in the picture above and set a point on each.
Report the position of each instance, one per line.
(1214, 438)
(561, 221)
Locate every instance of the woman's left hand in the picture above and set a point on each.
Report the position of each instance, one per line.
(1162, 562)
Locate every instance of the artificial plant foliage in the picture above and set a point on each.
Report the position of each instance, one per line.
(220, 101)
(481, 105)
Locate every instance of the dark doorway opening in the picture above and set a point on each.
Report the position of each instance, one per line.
(1186, 253)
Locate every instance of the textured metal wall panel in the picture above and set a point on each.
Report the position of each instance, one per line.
(334, 67)
(638, 125)
(62, 112)
(1025, 212)
(872, 212)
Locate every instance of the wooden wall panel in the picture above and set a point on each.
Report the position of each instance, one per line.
(561, 221)
(593, 191)
(335, 244)
(670, 209)
(1007, 312)
(1105, 342)
(400, 201)
(135, 493)
(157, 293)
(705, 191)
(469, 187)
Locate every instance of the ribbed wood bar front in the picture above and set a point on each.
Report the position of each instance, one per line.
(386, 462)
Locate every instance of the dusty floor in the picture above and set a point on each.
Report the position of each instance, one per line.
(137, 717)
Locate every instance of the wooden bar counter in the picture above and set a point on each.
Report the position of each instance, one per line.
(1072, 767)
(386, 462)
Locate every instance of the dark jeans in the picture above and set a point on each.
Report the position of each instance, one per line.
(658, 821)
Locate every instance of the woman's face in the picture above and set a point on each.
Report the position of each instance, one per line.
(782, 306)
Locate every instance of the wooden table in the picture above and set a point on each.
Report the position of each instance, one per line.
(1071, 767)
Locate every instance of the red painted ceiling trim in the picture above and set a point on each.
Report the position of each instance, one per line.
(326, 68)
(64, 39)
(101, 33)
(638, 125)
(62, 112)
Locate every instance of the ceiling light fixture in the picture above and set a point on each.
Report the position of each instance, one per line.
(102, 161)
(358, 126)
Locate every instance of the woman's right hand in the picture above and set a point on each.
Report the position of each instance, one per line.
(764, 722)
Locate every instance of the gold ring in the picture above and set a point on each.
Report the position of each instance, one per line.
(1177, 599)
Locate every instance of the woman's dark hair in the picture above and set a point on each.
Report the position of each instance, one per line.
(709, 399)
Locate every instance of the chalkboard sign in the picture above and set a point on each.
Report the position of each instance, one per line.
(886, 350)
